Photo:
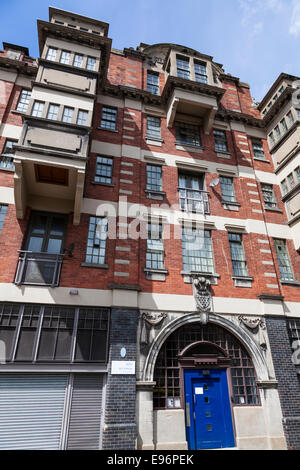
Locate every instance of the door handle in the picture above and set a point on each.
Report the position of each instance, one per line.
(188, 417)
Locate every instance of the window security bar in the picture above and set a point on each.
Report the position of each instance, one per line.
(40, 269)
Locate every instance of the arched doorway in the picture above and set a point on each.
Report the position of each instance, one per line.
(205, 370)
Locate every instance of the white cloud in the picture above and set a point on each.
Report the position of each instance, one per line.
(295, 20)
(253, 10)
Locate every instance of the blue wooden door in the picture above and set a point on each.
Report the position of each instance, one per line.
(208, 413)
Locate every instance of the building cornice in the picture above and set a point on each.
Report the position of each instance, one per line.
(279, 103)
(53, 11)
(229, 115)
(147, 97)
(21, 67)
(268, 96)
(177, 82)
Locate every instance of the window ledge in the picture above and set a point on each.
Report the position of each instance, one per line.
(98, 183)
(15, 111)
(157, 139)
(92, 265)
(152, 194)
(261, 159)
(243, 278)
(242, 281)
(154, 270)
(223, 152)
(200, 273)
(109, 130)
(155, 274)
(293, 282)
(189, 147)
(233, 203)
(273, 209)
(11, 170)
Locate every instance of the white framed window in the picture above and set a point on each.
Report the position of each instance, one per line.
(37, 109)
(104, 169)
(67, 114)
(220, 141)
(239, 265)
(283, 260)
(51, 54)
(7, 155)
(183, 67)
(291, 180)
(155, 247)
(297, 172)
(283, 124)
(52, 112)
(65, 57)
(290, 117)
(277, 132)
(284, 187)
(197, 250)
(108, 118)
(24, 101)
(153, 82)
(78, 60)
(200, 72)
(91, 63)
(96, 240)
(82, 117)
(153, 127)
(258, 149)
(268, 195)
(227, 189)
(154, 178)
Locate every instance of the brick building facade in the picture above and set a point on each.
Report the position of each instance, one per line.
(125, 178)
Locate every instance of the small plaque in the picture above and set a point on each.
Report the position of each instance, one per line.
(123, 367)
(199, 390)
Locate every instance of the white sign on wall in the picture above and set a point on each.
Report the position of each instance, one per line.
(123, 367)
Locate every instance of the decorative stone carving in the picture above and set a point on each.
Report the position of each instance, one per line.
(150, 322)
(202, 294)
(257, 326)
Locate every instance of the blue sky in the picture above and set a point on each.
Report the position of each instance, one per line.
(256, 40)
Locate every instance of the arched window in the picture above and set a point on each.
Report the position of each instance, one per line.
(167, 369)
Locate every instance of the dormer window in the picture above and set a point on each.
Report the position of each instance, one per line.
(183, 67)
(200, 72)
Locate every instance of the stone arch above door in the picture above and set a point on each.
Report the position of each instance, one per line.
(242, 335)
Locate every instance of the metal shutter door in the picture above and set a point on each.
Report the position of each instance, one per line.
(86, 411)
(31, 410)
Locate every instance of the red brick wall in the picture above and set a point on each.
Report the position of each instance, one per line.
(130, 72)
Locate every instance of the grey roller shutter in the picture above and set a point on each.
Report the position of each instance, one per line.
(31, 410)
(85, 412)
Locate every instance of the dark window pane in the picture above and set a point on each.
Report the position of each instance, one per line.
(25, 345)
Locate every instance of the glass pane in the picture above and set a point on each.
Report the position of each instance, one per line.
(57, 226)
(35, 244)
(25, 345)
(54, 245)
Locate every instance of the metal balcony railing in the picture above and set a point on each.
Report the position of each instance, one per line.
(40, 269)
(194, 200)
